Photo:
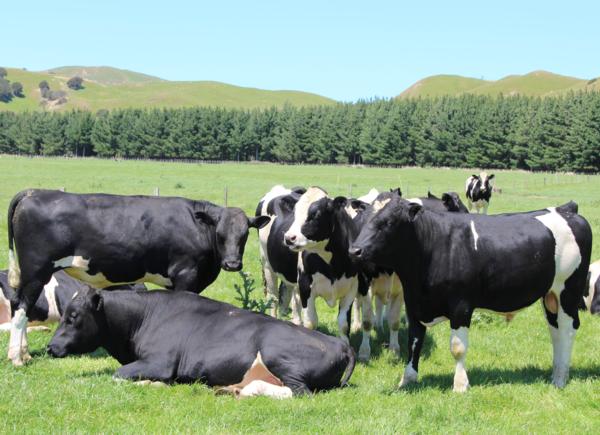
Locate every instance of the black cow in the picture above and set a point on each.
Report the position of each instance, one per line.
(107, 240)
(280, 265)
(322, 231)
(450, 201)
(592, 299)
(51, 303)
(182, 337)
(453, 263)
(479, 191)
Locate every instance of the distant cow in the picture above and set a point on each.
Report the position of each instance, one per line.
(182, 337)
(479, 191)
(322, 231)
(51, 303)
(280, 265)
(452, 263)
(450, 201)
(592, 300)
(106, 240)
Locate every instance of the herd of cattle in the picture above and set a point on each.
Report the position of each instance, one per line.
(428, 253)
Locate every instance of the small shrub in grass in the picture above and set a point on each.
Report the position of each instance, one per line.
(245, 295)
(178, 185)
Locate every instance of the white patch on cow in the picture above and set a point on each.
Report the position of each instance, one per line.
(410, 375)
(74, 295)
(262, 388)
(567, 256)
(50, 294)
(435, 321)
(332, 292)
(5, 312)
(459, 343)
(379, 204)
(77, 267)
(369, 197)
(17, 345)
(475, 235)
(562, 344)
(312, 195)
(416, 201)
(14, 271)
(594, 274)
(351, 211)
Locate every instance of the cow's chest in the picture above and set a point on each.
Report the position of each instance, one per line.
(332, 290)
(386, 286)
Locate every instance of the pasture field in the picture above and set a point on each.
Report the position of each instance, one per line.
(509, 365)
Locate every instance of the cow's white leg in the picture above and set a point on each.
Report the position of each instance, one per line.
(296, 307)
(364, 352)
(17, 346)
(309, 314)
(394, 322)
(459, 343)
(356, 325)
(271, 289)
(344, 306)
(379, 312)
(262, 388)
(563, 338)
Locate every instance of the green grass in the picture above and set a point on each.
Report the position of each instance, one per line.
(509, 365)
(536, 83)
(149, 94)
(105, 75)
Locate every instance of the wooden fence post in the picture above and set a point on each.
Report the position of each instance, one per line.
(156, 191)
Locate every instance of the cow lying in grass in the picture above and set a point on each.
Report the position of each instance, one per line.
(183, 337)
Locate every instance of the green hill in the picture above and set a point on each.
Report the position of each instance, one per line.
(138, 91)
(536, 83)
(105, 75)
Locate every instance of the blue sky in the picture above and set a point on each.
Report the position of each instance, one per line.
(342, 49)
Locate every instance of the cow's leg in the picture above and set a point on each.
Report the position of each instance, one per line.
(563, 322)
(364, 352)
(309, 314)
(485, 207)
(271, 289)
(469, 204)
(379, 304)
(355, 327)
(393, 319)
(459, 343)
(285, 297)
(344, 306)
(142, 370)
(416, 335)
(296, 307)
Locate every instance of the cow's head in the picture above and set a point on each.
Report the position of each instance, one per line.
(231, 232)
(483, 183)
(82, 327)
(313, 220)
(452, 202)
(385, 232)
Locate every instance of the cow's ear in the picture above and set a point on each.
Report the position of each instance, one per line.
(491, 177)
(397, 191)
(340, 202)
(431, 195)
(288, 202)
(448, 201)
(414, 211)
(209, 217)
(258, 221)
(97, 301)
(475, 176)
(357, 204)
(299, 189)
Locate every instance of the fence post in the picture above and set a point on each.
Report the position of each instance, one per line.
(156, 191)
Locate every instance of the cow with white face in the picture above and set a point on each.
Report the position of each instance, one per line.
(322, 231)
(479, 191)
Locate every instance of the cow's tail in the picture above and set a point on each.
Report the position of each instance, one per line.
(14, 271)
(350, 367)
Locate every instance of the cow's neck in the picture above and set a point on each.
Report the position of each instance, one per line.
(343, 233)
(124, 314)
(211, 234)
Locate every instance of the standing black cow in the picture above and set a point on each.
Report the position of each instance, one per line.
(183, 337)
(107, 240)
(280, 265)
(479, 191)
(49, 307)
(453, 263)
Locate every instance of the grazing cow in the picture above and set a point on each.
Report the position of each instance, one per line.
(182, 337)
(280, 265)
(322, 231)
(51, 303)
(592, 299)
(453, 263)
(107, 240)
(479, 191)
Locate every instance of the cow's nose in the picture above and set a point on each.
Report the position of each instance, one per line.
(355, 252)
(232, 265)
(290, 239)
(50, 350)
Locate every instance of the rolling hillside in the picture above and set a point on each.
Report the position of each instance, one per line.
(536, 83)
(110, 88)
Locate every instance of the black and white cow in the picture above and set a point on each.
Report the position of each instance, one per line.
(452, 263)
(592, 299)
(107, 240)
(49, 307)
(322, 231)
(280, 265)
(479, 191)
(182, 337)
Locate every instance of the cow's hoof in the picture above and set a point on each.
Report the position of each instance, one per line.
(18, 356)
(40, 328)
(143, 382)
(364, 354)
(461, 387)
(395, 348)
(559, 383)
(310, 325)
(297, 322)
(409, 377)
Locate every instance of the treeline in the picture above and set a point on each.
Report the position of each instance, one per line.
(553, 134)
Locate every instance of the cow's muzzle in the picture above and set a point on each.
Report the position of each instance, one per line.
(355, 252)
(55, 352)
(231, 265)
